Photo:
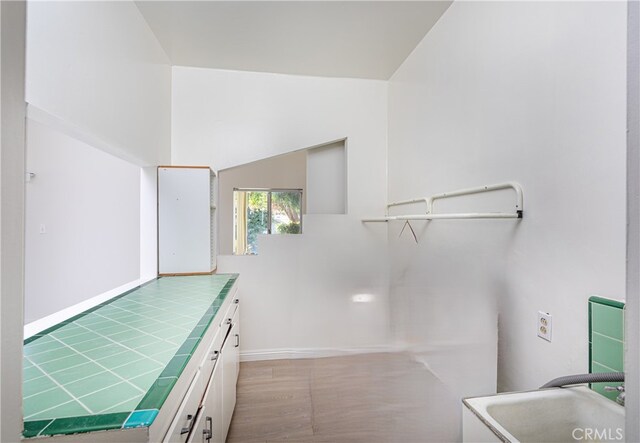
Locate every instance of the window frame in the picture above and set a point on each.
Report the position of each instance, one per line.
(269, 191)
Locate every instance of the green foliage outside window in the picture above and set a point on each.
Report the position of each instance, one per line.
(285, 214)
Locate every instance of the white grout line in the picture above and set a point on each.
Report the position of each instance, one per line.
(610, 338)
(605, 366)
(151, 318)
(48, 409)
(61, 387)
(42, 430)
(121, 403)
(74, 344)
(39, 392)
(82, 378)
(125, 347)
(141, 331)
(168, 311)
(105, 368)
(116, 405)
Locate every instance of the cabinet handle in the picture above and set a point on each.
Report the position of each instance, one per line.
(208, 433)
(187, 429)
(214, 355)
(237, 340)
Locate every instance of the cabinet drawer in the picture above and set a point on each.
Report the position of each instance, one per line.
(187, 412)
(231, 310)
(212, 355)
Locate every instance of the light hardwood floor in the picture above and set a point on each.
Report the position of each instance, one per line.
(365, 398)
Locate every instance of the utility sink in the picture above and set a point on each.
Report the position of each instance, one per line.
(545, 415)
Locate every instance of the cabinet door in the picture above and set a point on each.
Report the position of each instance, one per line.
(199, 433)
(184, 220)
(213, 404)
(184, 421)
(230, 361)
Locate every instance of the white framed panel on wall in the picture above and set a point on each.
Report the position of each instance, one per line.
(186, 220)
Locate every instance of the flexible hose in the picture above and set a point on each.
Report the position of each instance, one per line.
(598, 377)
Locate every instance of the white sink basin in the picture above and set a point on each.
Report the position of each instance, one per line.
(546, 415)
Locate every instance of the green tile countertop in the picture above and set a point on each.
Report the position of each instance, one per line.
(114, 365)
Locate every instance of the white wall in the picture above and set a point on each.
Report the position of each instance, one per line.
(326, 180)
(100, 82)
(12, 115)
(98, 66)
(87, 202)
(532, 92)
(298, 291)
(632, 314)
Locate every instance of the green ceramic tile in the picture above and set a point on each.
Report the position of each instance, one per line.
(68, 331)
(107, 398)
(105, 352)
(137, 323)
(37, 385)
(54, 354)
(164, 356)
(121, 359)
(90, 321)
(44, 401)
(124, 334)
(69, 409)
(42, 345)
(607, 351)
(147, 320)
(76, 373)
(197, 332)
(90, 384)
(178, 340)
(153, 348)
(127, 405)
(33, 428)
(599, 387)
(152, 327)
(64, 363)
(140, 341)
(157, 394)
(106, 326)
(107, 331)
(79, 338)
(31, 372)
(145, 381)
(141, 418)
(168, 332)
(607, 320)
(175, 366)
(89, 345)
(137, 368)
(74, 425)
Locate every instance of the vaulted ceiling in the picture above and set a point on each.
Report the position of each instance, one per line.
(360, 39)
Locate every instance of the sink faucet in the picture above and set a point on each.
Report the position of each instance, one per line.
(620, 389)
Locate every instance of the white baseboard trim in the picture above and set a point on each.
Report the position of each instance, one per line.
(41, 324)
(296, 353)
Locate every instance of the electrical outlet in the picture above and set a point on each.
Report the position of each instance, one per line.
(544, 325)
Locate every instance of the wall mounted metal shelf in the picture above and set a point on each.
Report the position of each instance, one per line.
(429, 215)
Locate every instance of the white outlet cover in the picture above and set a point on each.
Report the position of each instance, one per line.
(544, 325)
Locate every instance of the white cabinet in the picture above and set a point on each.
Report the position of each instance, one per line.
(186, 220)
(230, 366)
(205, 412)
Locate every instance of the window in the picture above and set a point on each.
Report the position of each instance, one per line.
(264, 211)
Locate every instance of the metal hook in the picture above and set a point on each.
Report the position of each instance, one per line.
(406, 223)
